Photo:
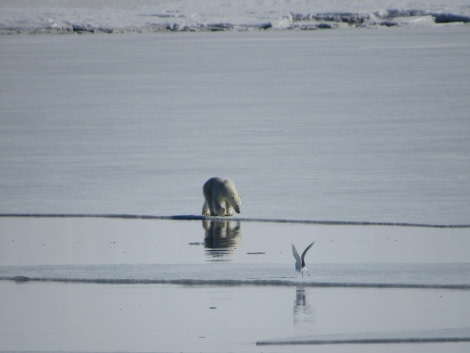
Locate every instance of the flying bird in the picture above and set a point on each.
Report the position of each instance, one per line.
(300, 260)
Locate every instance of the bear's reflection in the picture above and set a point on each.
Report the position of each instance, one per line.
(303, 312)
(221, 237)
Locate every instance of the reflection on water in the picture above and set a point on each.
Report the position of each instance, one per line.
(221, 237)
(303, 312)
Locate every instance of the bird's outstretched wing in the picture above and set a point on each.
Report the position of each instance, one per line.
(298, 261)
(305, 251)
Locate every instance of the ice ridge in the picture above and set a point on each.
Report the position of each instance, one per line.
(76, 20)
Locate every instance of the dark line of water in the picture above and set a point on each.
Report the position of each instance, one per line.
(366, 341)
(228, 282)
(239, 219)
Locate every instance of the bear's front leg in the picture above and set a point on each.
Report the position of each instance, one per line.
(218, 210)
(229, 209)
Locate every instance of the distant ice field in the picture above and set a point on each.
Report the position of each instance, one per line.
(55, 16)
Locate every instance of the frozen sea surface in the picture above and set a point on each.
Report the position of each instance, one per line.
(362, 125)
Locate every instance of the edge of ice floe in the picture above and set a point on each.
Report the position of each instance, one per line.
(234, 282)
(447, 335)
(238, 219)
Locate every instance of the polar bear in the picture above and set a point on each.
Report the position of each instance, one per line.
(218, 191)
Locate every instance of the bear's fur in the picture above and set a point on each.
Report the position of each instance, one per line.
(218, 191)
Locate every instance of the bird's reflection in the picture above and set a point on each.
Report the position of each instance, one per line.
(221, 237)
(303, 312)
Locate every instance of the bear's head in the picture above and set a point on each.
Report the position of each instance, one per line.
(232, 195)
(236, 202)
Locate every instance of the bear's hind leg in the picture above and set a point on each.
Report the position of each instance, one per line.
(205, 210)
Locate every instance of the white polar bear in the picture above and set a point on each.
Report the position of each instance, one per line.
(217, 191)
